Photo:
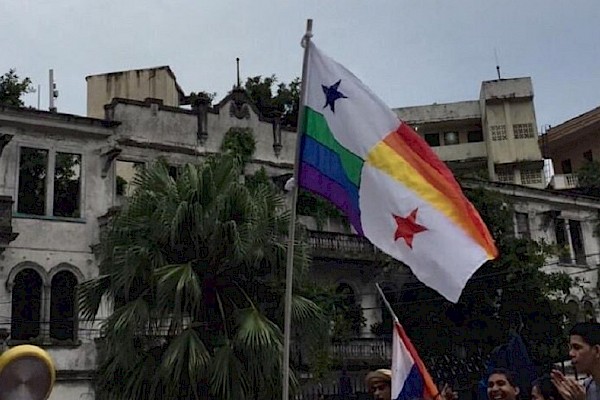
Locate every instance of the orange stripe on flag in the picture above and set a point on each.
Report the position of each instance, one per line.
(423, 161)
(423, 151)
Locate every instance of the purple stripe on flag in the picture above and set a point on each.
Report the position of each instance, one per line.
(315, 181)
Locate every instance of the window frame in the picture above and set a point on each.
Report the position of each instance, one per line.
(39, 324)
(431, 135)
(524, 130)
(480, 137)
(47, 277)
(498, 133)
(75, 309)
(448, 142)
(50, 172)
(566, 162)
(131, 159)
(502, 174)
(531, 177)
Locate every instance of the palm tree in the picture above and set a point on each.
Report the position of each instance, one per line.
(194, 271)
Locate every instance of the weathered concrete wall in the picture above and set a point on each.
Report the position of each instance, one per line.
(506, 89)
(153, 125)
(543, 207)
(50, 244)
(573, 151)
(439, 112)
(158, 83)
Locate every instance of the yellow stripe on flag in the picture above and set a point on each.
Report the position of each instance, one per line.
(383, 157)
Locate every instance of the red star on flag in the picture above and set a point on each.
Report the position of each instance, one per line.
(407, 227)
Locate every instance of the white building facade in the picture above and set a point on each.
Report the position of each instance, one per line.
(61, 174)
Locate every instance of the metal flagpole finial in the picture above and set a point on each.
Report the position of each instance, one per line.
(308, 35)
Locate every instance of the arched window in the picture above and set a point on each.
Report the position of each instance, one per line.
(26, 305)
(62, 306)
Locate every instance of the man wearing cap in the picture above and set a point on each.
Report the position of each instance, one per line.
(380, 384)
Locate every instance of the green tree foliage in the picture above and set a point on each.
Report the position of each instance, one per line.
(194, 268)
(202, 97)
(12, 88)
(33, 170)
(499, 297)
(67, 172)
(240, 143)
(285, 101)
(588, 177)
(317, 207)
(260, 177)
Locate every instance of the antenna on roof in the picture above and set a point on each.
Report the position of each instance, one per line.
(497, 63)
(237, 60)
(53, 92)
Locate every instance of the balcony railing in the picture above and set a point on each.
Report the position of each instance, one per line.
(342, 245)
(564, 181)
(339, 245)
(375, 352)
(363, 349)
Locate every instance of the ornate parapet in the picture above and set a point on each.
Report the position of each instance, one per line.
(6, 233)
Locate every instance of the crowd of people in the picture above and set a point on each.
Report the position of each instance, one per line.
(584, 352)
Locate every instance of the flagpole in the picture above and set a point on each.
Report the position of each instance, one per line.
(387, 303)
(287, 324)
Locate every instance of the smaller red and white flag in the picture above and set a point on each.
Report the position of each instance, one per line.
(410, 379)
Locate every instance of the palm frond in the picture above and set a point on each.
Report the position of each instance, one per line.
(184, 362)
(188, 253)
(228, 374)
(90, 294)
(179, 289)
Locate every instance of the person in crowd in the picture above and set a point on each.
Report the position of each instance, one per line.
(379, 383)
(543, 389)
(584, 351)
(501, 385)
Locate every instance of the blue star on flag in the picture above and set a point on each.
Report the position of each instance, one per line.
(332, 94)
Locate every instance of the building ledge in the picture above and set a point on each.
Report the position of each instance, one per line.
(50, 218)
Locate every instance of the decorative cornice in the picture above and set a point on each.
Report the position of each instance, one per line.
(24, 112)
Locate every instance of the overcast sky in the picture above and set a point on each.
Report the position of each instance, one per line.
(410, 52)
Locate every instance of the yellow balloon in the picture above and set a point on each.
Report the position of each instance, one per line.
(26, 372)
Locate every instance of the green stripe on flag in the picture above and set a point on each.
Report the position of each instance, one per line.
(317, 128)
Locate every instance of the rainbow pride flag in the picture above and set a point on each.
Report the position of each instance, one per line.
(356, 153)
